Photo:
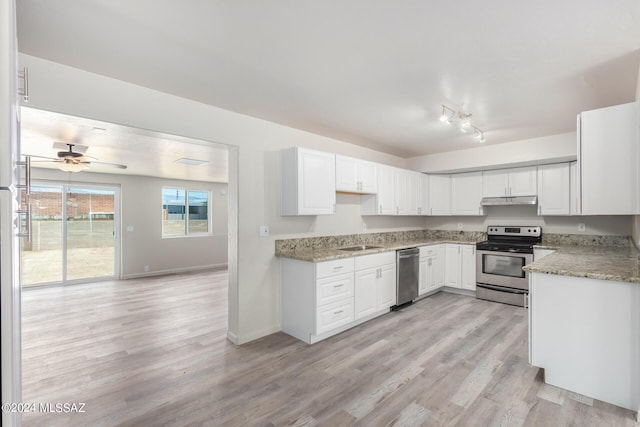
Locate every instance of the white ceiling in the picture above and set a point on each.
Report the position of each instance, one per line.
(144, 152)
(371, 72)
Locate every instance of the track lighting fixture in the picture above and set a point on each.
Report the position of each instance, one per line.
(449, 115)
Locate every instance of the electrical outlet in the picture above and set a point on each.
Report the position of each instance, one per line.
(364, 226)
(582, 227)
(146, 268)
(264, 231)
(460, 226)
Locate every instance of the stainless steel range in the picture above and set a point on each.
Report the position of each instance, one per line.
(499, 262)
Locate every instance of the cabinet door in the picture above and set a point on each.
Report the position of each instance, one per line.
(439, 266)
(346, 174)
(452, 266)
(573, 189)
(608, 157)
(365, 292)
(386, 196)
(400, 183)
(386, 287)
(522, 181)
(412, 200)
(423, 276)
(368, 176)
(316, 182)
(553, 189)
(466, 193)
(423, 207)
(468, 266)
(439, 195)
(495, 183)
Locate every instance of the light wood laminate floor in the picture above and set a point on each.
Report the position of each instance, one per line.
(153, 351)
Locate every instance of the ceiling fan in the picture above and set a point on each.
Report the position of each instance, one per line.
(74, 161)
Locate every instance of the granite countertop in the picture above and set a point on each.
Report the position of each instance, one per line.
(617, 263)
(597, 257)
(326, 248)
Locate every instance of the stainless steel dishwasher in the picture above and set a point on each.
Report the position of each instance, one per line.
(407, 266)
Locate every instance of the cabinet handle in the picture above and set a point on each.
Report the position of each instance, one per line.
(380, 211)
(430, 211)
(397, 210)
(338, 312)
(338, 267)
(334, 208)
(338, 286)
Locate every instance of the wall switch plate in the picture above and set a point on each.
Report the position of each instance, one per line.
(460, 226)
(146, 268)
(582, 227)
(264, 230)
(129, 228)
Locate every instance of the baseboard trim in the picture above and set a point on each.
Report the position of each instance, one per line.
(172, 271)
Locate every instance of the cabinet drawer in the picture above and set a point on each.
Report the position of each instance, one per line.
(375, 260)
(333, 315)
(331, 268)
(428, 251)
(334, 288)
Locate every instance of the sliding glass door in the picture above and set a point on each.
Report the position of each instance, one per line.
(74, 235)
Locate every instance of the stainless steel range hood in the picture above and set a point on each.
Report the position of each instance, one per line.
(509, 201)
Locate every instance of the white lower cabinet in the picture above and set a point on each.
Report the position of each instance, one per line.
(321, 299)
(468, 267)
(431, 268)
(460, 266)
(375, 283)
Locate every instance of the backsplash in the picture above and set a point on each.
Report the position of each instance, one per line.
(584, 240)
(345, 240)
(377, 239)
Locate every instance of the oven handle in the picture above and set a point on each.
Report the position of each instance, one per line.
(502, 289)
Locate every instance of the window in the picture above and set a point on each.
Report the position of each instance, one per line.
(184, 212)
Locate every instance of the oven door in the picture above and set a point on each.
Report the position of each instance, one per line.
(502, 269)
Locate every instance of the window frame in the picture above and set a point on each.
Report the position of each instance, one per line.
(186, 232)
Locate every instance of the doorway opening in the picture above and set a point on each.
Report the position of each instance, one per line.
(74, 234)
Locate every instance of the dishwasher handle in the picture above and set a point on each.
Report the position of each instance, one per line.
(408, 253)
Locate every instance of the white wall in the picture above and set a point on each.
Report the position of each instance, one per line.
(548, 149)
(636, 220)
(254, 300)
(141, 208)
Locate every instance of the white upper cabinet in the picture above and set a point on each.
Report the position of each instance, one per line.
(554, 189)
(407, 191)
(573, 188)
(355, 175)
(466, 193)
(509, 182)
(608, 160)
(423, 204)
(439, 195)
(308, 182)
(384, 201)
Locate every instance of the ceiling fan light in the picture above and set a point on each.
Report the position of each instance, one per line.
(71, 167)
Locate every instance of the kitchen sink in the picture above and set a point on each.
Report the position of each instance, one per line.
(359, 248)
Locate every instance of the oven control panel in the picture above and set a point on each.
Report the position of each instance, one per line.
(522, 231)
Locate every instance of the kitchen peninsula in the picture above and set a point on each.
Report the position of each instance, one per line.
(584, 320)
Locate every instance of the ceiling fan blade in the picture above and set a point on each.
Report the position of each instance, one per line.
(115, 165)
